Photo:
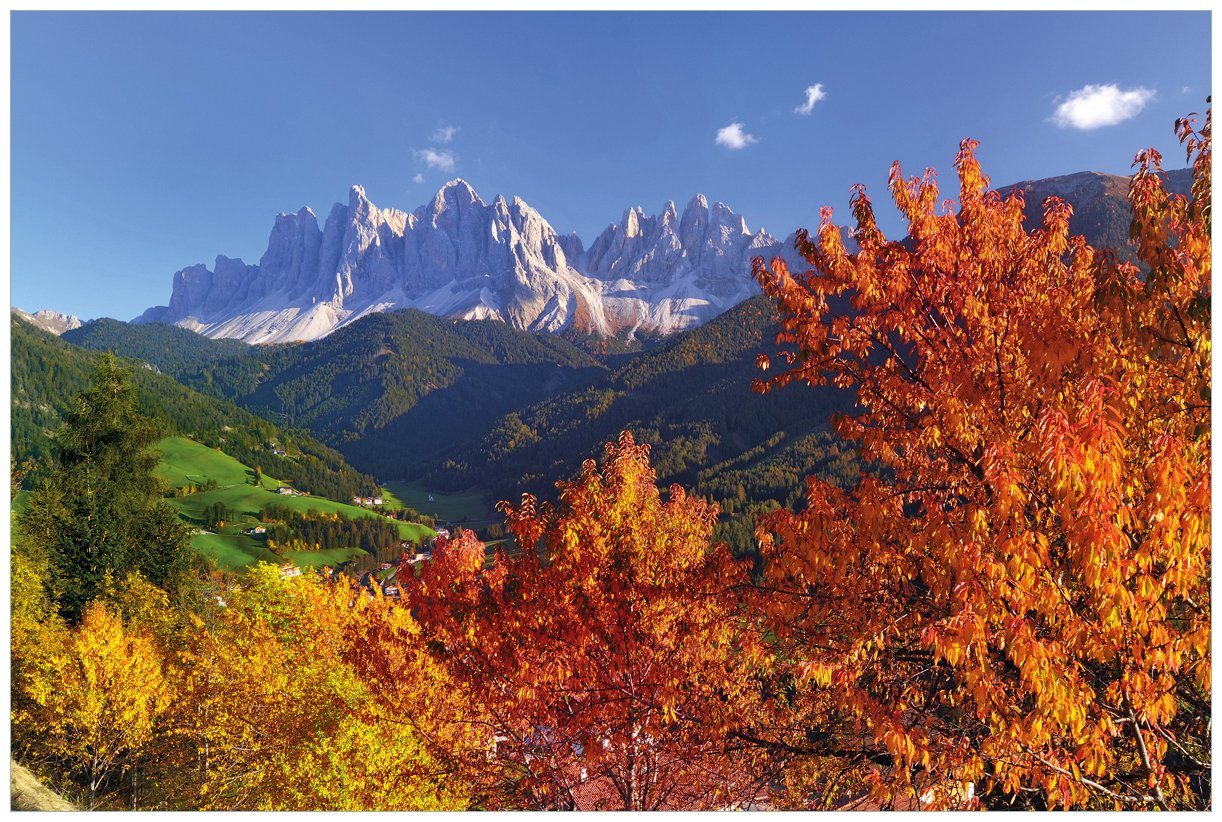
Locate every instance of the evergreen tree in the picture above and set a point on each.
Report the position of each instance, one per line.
(216, 514)
(100, 508)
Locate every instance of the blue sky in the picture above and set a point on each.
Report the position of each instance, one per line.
(146, 142)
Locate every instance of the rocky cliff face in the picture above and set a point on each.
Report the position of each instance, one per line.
(458, 256)
(52, 321)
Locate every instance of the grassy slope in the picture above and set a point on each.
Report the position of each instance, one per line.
(28, 794)
(186, 462)
(464, 506)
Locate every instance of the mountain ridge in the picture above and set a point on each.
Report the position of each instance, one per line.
(52, 322)
(460, 257)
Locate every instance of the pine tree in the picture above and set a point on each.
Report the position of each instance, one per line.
(100, 508)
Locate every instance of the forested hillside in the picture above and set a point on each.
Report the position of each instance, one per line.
(392, 391)
(477, 404)
(170, 349)
(691, 401)
(47, 372)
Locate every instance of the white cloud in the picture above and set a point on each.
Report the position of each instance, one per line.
(1185, 89)
(441, 160)
(814, 94)
(733, 136)
(1104, 105)
(419, 178)
(444, 134)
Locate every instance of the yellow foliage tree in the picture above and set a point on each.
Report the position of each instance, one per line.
(281, 719)
(99, 698)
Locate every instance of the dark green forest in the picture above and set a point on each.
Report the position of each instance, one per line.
(47, 372)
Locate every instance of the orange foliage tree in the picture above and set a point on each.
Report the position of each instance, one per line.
(609, 653)
(1014, 601)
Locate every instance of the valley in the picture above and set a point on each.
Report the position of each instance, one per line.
(475, 411)
(395, 427)
(191, 469)
(478, 410)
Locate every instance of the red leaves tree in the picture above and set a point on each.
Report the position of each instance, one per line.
(608, 653)
(1016, 598)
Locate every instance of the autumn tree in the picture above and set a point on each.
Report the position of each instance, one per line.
(37, 635)
(280, 717)
(608, 654)
(1015, 600)
(98, 695)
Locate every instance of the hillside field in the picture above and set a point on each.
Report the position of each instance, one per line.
(460, 507)
(185, 462)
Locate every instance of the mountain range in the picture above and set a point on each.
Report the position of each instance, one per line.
(460, 257)
(457, 256)
(498, 405)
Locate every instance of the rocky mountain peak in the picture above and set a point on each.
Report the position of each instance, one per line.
(47, 320)
(456, 193)
(457, 256)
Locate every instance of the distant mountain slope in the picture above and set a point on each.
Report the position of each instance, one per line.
(1100, 203)
(48, 372)
(50, 321)
(692, 401)
(391, 391)
(169, 348)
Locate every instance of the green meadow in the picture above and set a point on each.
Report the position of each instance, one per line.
(464, 506)
(185, 462)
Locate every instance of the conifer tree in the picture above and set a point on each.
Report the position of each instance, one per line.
(100, 508)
